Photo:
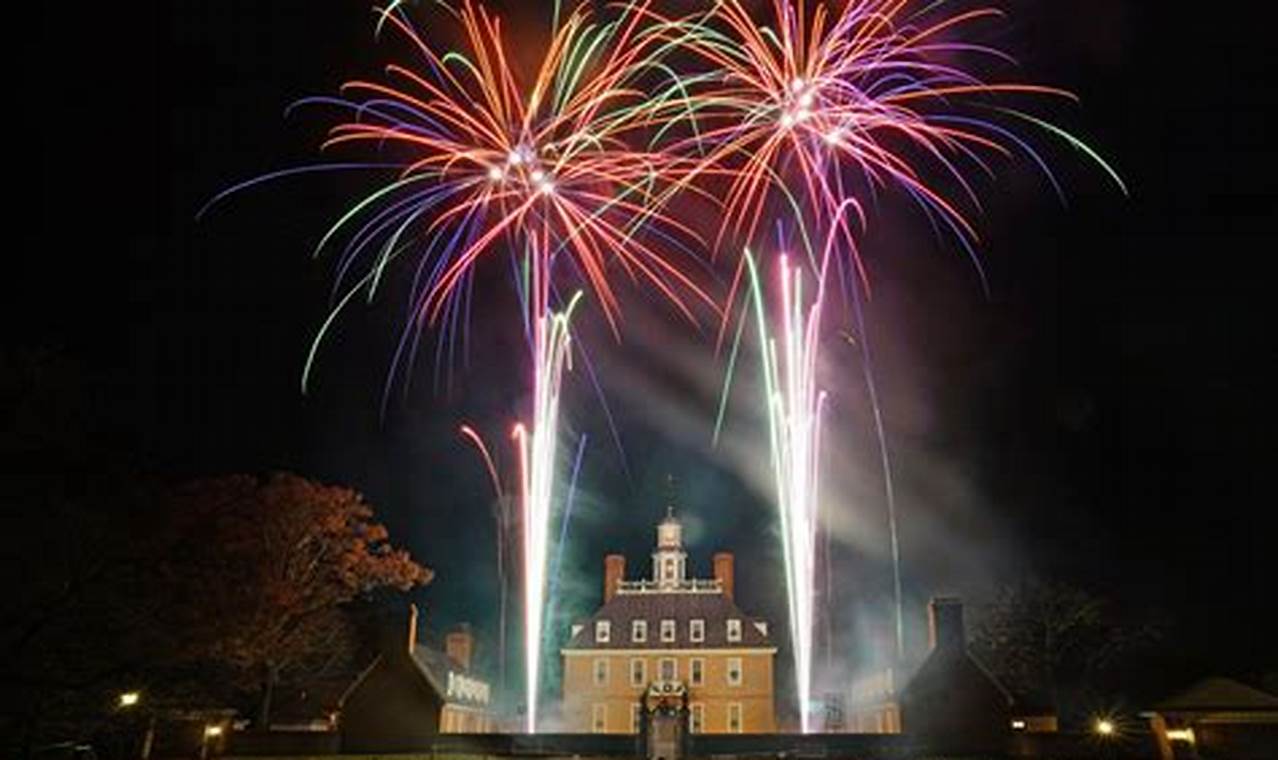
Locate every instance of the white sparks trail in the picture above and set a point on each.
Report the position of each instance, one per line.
(794, 407)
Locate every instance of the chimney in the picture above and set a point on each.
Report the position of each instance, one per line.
(459, 645)
(945, 624)
(412, 627)
(723, 563)
(614, 572)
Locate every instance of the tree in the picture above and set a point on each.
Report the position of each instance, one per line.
(261, 568)
(1052, 641)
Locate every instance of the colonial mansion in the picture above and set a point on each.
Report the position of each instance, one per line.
(669, 645)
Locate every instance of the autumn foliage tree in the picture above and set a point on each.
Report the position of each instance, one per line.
(260, 569)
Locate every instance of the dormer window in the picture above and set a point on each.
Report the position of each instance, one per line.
(734, 629)
(603, 631)
(668, 631)
(697, 631)
(638, 631)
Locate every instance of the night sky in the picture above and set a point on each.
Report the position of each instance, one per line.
(1097, 418)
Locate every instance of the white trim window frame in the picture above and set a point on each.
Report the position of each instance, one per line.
(668, 669)
(733, 671)
(638, 671)
(697, 671)
(668, 631)
(736, 723)
(600, 669)
(603, 631)
(697, 630)
(734, 630)
(696, 718)
(599, 718)
(638, 631)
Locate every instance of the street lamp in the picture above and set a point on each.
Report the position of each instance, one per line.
(1104, 727)
(211, 734)
(129, 699)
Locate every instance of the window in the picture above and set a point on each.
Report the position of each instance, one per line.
(667, 630)
(603, 631)
(697, 630)
(636, 717)
(669, 669)
(601, 671)
(638, 671)
(639, 631)
(696, 718)
(734, 630)
(599, 718)
(696, 671)
(734, 671)
(734, 717)
(670, 570)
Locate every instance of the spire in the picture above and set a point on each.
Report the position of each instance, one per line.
(670, 497)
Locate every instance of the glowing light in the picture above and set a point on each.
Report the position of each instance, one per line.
(1104, 727)
(129, 698)
(797, 84)
(1180, 735)
(834, 136)
(1018, 725)
(211, 731)
(794, 407)
(787, 120)
(515, 158)
(496, 174)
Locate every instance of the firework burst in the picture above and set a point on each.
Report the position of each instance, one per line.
(824, 107)
(486, 162)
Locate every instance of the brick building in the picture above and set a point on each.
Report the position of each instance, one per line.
(671, 640)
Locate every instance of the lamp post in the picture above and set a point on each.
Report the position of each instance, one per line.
(212, 733)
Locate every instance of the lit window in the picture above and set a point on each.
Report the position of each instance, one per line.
(734, 671)
(669, 669)
(696, 671)
(697, 630)
(734, 630)
(639, 631)
(734, 717)
(603, 631)
(599, 718)
(696, 718)
(638, 671)
(601, 671)
(667, 630)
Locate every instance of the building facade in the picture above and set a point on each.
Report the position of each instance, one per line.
(669, 637)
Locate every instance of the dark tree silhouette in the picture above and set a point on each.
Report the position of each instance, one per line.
(1052, 642)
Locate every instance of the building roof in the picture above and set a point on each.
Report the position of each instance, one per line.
(1219, 695)
(945, 669)
(714, 608)
(438, 667)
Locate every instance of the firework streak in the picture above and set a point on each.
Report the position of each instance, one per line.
(794, 406)
(484, 166)
(829, 105)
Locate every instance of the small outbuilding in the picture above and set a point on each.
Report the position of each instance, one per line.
(410, 695)
(1216, 717)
